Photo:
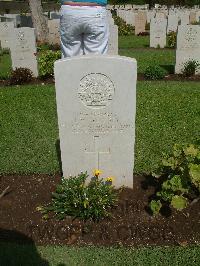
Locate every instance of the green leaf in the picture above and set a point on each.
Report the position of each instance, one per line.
(179, 202)
(155, 206)
(191, 150)
(194, 171)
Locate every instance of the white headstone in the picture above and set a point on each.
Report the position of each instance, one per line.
(158, 32)
(113, 40)
(23, 49)
(54, 34)
(96, 106)
(172, 23)
(192, 17)
(185, 18)
(188, 46)
(6, 29)
(140, 22)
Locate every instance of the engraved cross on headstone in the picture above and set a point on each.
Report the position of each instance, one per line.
(97, 151)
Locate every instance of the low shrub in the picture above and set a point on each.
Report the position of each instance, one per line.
(172, 39)
(4, 76)
(6, 50)
(154, 72)
(123, 28)
(178, 178)
(190, 68)
(74, 198)
(46, 63)
(20, 76)
(195, 23)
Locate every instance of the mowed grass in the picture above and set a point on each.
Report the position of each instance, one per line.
(23, 255)
(132, 41)
(167, 113)
(5, 66)
(138, 47)
(145, 58)
(28, 129)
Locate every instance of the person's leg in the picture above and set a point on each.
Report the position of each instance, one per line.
(71, 36)
(96, 33)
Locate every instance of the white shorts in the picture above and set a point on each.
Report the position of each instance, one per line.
(83, 30)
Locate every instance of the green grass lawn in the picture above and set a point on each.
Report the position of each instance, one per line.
(165, 58)
(128, 42)
(167, 113)
(137, 47)
(13, 255)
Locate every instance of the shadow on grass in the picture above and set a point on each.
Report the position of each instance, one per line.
(169, 68)
(58, 151)
(16, 249)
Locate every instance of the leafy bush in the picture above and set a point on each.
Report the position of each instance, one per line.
(123, 28)
(73, 197)
(20, 76)
(190, 68)
(155, 206)
(154, 72)
(172, 39)
(46, 63)
(178, 178)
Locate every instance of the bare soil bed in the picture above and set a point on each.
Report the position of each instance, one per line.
(130, 224)
(170, 77)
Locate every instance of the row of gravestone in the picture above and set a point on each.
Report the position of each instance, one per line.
(22, 42)
(139, 19)
(53, 28)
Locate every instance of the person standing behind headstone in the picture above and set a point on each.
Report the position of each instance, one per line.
(83, 27)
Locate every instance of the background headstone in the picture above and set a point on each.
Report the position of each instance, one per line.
(158, 32)
(23, 49)
(188, 46)
(172, 23)
(6, 29)
(54, 34)
(113, 40)
(140, 23)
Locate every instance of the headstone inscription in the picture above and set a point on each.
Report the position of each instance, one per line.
(23, 49)
(188, 46)
(96, 106)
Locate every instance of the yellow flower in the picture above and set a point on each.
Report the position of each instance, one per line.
(97, 172)
(110, 179)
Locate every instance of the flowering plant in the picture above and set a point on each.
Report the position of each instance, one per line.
(73, 197)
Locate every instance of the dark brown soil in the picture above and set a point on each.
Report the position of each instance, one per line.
(37, 81)
(173, 77)
(170, 77)
(130, 224)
